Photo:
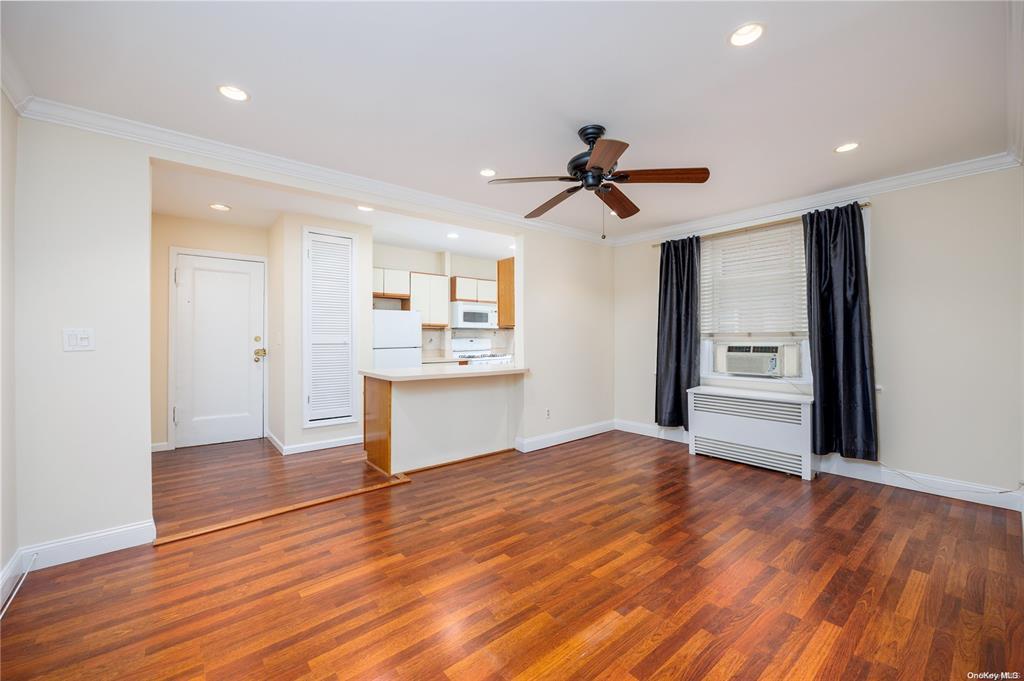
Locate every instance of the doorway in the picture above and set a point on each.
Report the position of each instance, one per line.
(216, 355)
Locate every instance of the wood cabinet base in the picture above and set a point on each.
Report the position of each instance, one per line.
(377, 423)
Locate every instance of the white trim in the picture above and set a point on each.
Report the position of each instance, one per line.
(160, 447)
(653, 430)
(172, 320)
(316, 446)
(358, 188)
(920, 482)
(86, 545)
(532, 444)
(278, 445)
(357, 396)
(10, 575)
(1015, 79)
(794, 208)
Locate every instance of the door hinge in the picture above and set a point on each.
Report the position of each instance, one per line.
(175, 276)
(174, 415)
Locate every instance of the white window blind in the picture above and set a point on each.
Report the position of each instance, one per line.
(754, 283)
(328, 362)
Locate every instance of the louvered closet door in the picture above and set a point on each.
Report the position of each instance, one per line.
(328, 361)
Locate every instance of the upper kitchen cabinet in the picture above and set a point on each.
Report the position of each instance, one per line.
(429, 297)
(474, 290)
(388, 283)
(507, 293)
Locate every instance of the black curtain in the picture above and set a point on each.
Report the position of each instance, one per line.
(839, 316)
(678, 330)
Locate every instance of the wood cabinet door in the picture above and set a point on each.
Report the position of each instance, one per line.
(419, 295)
(465, 289)
(507, 293)
(487, 291)
(396, 282)
(439, 306)
(378, 280)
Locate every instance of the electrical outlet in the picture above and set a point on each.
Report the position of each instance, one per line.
(547, 414)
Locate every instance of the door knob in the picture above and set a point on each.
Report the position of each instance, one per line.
(258, 354)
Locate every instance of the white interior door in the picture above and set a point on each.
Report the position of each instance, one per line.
(218, 374)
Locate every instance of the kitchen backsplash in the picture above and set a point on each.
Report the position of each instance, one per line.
(502, 340)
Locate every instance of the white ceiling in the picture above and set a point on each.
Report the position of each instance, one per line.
(188, 192)
(424, 95)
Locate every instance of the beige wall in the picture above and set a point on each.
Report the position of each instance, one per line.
(467, 266)
(82, 423)
(8, 464)
(399, 258)
(285, 324)
(946, 273)
(168, 232)
(568, 332)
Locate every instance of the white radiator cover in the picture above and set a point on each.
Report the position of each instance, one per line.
(760, 428)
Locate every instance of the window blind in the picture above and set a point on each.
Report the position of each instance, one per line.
(754, 283)
(328, 355)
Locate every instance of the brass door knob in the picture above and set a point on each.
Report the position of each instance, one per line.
(258, 354)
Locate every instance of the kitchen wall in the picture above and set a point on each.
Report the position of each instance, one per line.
(169, 231)
(946, 272)
(479, 268)
(413, 259)
(285, 329)
(8, 464)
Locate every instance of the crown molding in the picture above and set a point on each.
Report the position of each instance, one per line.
(352, 186)
(1015, 80)
(794, 207)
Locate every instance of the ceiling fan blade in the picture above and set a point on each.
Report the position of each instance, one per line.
(695, 175)
(617, 201)
(545, 178)
(552, 202)
(606, 153)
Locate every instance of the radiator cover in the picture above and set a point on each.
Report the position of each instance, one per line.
(766, 429)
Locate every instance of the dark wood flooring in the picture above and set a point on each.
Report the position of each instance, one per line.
(196, 488)
(614, 557)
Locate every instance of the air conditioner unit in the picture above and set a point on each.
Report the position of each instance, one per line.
(774, 360)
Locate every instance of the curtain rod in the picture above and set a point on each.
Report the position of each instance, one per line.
(750, 228)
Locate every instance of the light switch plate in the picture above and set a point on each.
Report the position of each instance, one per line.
(79, 340)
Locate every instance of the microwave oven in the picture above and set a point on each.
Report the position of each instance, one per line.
(474, 315)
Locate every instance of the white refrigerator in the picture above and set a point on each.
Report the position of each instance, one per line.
(397, 339)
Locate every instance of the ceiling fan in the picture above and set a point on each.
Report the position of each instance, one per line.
(596, 170)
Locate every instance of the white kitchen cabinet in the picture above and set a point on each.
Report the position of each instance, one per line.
(396, 282)
(487, 291)
(439, 307)
(430, 298)
(465, 288)
(378, 280)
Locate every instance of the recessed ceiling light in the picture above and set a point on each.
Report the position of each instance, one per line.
(365, 209)
(223, 207)
(233, 93)
(453, 235)
(746, 34)
(849, 146)
(487, 172)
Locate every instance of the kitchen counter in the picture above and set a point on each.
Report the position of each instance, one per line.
(441, 360)
(419, 417)
(431, 372)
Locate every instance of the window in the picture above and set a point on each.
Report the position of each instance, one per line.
(328, 355)
(754, 283)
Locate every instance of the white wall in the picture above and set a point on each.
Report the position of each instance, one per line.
(413, 259)
(468, 266)
(82, 214)
(8, 464)
(946, 274)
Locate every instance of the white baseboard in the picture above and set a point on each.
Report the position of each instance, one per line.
(532, 444)
(653, 430)
(88, 544)
(313, 446)
(160, 447)
(9, 576)
(920, 482)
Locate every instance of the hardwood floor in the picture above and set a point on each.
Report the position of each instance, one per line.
(200, 488)
(615, 557)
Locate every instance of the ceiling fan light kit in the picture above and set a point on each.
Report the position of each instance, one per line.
(596, 170)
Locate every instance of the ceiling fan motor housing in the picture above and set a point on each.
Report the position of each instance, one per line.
(577, 166)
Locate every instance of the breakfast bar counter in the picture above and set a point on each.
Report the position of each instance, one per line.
(436, 414)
